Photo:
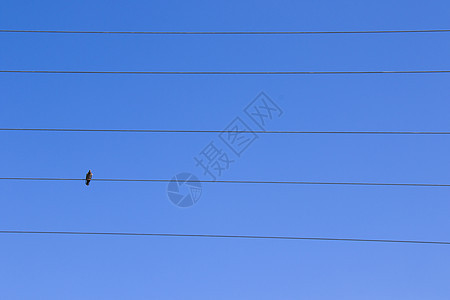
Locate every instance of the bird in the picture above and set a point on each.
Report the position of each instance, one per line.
(88, 177)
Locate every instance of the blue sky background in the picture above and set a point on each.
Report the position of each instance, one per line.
(94, 267)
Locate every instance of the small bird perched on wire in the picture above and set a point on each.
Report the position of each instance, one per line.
(88, 177)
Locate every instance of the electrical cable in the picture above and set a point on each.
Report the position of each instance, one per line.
(232, 181)
(226, 131)
(226, 32)
(223, 236)
(227, 72)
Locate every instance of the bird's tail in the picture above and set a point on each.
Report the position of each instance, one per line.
(87, 182)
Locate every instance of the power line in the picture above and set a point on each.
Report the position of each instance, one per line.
(226, 32)
(224, 236)
(227, 72)
(234, 181)
(225, 131)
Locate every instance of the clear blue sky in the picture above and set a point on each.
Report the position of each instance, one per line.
(80, 267)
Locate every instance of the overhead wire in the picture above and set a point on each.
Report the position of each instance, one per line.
(226, 131)
(226, 32)
(227, 72)
(232, 181)
(261, 237)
